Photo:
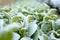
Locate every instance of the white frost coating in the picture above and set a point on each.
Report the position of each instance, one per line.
(26, 38)
(32, 28)
(26, 22)
(15, 36)
(44, 1)
(20, 14)
(16, 11)
(53, 38)
(1, 24)
(12, 27)
(58, 22)
(41, 38)
(56, 3)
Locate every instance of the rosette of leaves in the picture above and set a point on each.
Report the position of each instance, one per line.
(29, 20)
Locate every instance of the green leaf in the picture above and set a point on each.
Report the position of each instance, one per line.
(35, 36)
(32, 28)
(17, 19)
(12, 27)
(46, 27)
(15, 36)
(26, 38)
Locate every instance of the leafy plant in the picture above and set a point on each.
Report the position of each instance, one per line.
(28, 20)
